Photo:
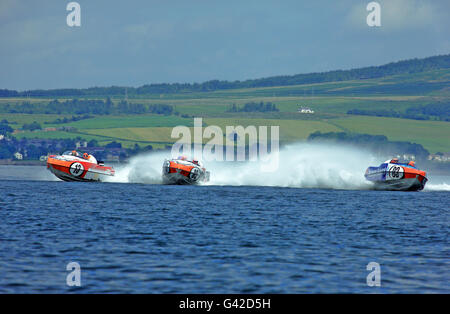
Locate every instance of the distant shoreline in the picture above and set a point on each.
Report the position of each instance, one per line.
(431, 169)
(9, 162)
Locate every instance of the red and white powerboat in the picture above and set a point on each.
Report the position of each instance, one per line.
(74, 166)
(182, 170)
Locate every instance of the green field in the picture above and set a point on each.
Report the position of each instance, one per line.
(330, 101)
(22, 119)
(290, 130)
(433, 135)
(142, 135)
(107, 122)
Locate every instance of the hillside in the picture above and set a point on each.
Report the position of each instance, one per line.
(147, 119)
(394, 68)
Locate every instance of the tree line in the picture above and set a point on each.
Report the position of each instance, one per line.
(376, 143)
(67, 120)
(86, 107)
(434, 111)
(254, 107)
(33, 149)
(394, 68)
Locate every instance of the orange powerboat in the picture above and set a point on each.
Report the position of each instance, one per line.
(181, 170)
(74, 166)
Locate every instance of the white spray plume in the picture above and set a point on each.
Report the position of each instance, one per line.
(437, 187)
(303, 165)
(146, 168)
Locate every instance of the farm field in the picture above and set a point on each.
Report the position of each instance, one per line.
(330, 101)
(433, 135)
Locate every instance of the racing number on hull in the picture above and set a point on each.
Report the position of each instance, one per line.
(395, 173)
(194, 174)
(76, 169)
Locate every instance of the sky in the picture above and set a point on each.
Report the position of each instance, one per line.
(137, 42)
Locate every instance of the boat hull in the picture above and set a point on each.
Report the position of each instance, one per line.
(181, 173)
(75, 169)
(396, 177)
(412, 184)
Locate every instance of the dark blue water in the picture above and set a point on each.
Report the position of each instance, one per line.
(136, 238)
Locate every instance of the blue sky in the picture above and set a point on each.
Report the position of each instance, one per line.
(131, 43)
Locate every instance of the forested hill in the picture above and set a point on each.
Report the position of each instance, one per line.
(400, 67)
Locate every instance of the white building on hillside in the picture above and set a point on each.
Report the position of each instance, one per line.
(305, 110)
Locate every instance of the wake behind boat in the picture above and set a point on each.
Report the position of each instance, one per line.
(394, 176)
(73, 166)
(181, 170)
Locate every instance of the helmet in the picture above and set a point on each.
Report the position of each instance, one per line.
(182, 157)
(412, 163)
(195, 161)
(74, 152)
(85, 155)
(394, 160)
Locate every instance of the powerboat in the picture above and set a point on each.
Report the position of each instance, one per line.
(395, 176)
(74, 166)
(181, 170)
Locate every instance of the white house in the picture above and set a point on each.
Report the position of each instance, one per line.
(305, 110)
